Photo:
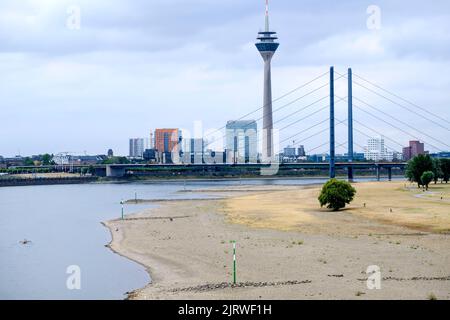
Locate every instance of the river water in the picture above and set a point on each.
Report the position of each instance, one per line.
(63, 223)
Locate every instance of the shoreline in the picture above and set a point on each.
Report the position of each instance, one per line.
(165, 258)
(128, 294)
(18, 182)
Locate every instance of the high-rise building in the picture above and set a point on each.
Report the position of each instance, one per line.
(167, 140)
(193, 150)
(301, 151)
(289, 152)
(136, 147)
(241, 141)
(376, 150)
(267, 46)
(151, 141)
(415, 148)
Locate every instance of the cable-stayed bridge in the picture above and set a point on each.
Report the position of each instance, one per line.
(307, 113)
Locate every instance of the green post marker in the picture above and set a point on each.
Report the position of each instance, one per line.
(234, 261)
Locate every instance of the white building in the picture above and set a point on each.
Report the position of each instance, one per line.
(136, 148)
(376, 150)
(193, 150)
(242, 141)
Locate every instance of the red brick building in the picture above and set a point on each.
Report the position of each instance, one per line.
(415, 148)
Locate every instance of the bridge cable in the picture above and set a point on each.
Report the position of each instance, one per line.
(403, 99)
(400, 105)
(279, 98)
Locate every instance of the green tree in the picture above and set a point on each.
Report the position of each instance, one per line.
(445, 169)
(335, 194)
(437, 171)
(27, 161)
(47, 159)
(417, 166)
(426, 178)
(116, 160)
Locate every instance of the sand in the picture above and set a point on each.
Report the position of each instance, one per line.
(290, 248)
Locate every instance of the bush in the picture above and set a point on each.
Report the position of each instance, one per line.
(335, 194)
(417, 166)
(426, 178)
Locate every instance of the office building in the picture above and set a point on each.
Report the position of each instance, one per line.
(376, 150)
(193, 150)
(241, 141)
(415, 148)
(301, 151)
(167, 140)
(136, 147)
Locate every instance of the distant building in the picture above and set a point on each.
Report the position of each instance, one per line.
(151, 141)
(151, 155)
(318, 157)
(87, 160)
(110, 153)
(15, 161)
(441, 155)
(167, 140)
(289, 152)
(241, 141)
(376, 150)
(136, 148)
(357, 156)
(415, 148)
(193, 150)
(301, 151)
(214, 157)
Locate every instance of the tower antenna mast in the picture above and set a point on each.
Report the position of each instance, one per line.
(267, 16)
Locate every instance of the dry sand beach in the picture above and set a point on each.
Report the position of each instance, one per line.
(290, 248)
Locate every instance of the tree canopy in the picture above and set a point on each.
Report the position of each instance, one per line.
(417, 166)
(335, 194)
(426, 178)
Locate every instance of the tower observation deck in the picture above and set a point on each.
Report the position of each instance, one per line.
(267, 45)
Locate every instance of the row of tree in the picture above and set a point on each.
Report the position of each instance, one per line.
(424, 169)
(43, 159)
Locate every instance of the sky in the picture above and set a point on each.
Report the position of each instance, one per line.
(84, 76)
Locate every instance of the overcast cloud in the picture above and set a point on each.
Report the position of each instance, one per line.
(139, 65)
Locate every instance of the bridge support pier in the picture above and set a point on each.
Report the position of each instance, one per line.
(378, 172)
(114, 171)
(389, 173)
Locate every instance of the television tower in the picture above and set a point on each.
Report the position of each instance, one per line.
(267, 46)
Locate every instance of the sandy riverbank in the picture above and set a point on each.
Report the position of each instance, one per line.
(289, 248)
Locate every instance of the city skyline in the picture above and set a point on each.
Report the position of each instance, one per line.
(132, 85)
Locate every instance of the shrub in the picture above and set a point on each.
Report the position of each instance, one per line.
(426, 178)
(335, 194)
